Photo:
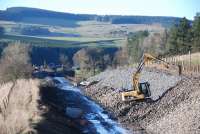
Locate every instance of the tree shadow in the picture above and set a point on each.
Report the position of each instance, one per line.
(54, 119)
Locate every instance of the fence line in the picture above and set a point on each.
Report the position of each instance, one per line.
(190, 63)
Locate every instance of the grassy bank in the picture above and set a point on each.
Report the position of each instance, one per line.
(19, 107)
(23, 110)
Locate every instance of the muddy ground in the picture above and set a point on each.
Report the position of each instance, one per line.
(176, 111)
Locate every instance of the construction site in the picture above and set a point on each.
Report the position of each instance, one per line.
(173, 107)
(99, 67)
(163, 101)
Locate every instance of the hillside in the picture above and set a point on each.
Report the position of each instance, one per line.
(40, 16)
(177, 110)
(56, 29)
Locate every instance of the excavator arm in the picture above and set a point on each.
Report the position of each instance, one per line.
(141, 90)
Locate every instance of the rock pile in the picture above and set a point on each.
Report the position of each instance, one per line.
(121, 78)
(177, 111)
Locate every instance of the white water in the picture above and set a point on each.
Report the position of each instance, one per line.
(93, 112)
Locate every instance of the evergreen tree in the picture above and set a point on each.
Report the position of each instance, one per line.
(173, 45)
(196, 31)
(134, 45)
(180, 37)
(184, 34)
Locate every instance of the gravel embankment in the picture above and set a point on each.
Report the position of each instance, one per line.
(177, 111)
(122, 79)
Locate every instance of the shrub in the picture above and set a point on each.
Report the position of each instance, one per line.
(15, 62)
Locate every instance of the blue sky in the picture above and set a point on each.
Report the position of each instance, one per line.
(179, 8)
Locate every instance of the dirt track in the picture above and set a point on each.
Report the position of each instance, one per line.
(178, 110)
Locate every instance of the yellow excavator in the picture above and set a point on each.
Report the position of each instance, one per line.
(141, 91)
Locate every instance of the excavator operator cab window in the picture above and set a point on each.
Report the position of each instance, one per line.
(145, 89)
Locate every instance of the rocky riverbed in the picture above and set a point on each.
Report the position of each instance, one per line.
(175, 109)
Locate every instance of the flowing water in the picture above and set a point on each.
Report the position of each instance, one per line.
(99, 120)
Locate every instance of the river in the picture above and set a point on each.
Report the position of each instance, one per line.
(80, 106)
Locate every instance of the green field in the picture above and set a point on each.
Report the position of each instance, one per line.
(58, 42)
(82, 39)
(89, 34)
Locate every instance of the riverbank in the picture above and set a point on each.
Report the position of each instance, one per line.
(25, 108)
(89, 117)
(54, 120)
(175, 111)
(19, 110)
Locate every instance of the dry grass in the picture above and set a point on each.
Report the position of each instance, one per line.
(21, 111)
(195, 58)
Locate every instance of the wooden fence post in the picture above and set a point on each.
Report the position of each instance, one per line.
(198, 68)
(179, 69)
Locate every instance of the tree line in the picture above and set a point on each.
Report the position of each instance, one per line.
(181, 38)
(93, 59)
(31, 30)
(185, 36)
(16, 59)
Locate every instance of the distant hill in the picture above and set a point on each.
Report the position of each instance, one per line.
(39, 16)
(46, 17)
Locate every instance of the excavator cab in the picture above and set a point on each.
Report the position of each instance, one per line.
(145, 89)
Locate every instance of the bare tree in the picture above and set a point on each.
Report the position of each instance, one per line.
(95, 56)
(65, 61)
(88, 59)
(15, 62)
(81, 59)
(121, 57)
(106, 61)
